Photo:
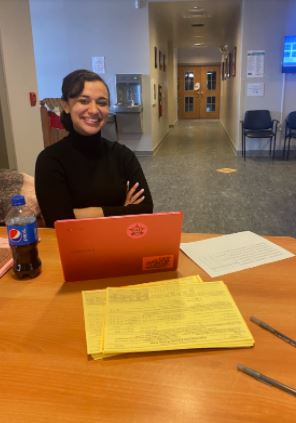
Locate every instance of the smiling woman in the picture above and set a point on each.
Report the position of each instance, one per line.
(85, 175)
(89, 111)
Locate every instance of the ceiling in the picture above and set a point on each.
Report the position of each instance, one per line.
(203, 22)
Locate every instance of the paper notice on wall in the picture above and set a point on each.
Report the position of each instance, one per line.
(255, 63)
(98, 64)
(255, 89)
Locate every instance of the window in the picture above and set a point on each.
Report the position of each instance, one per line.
(211, 80)
(189, 104)
(189, 81)
(211, 104)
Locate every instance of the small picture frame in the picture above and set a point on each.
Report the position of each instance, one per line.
(155, 57)
(229, 65)
(226, 68)
(233, 63)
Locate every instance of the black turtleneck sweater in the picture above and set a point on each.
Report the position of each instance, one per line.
(87, 171)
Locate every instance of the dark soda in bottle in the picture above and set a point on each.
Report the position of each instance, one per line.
(23, 238)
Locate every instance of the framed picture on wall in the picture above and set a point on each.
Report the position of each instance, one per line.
(160, 60)
(233, 63)
(163, 63)
(155, 57)
(226, 68)
(159, 101)
(229, 64)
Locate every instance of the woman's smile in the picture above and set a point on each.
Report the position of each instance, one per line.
(89, 112)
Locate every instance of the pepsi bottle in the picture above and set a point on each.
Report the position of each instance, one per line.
(22, 236)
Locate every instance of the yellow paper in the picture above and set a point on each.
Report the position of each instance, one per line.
(94, 303)
(173, 316)
(163, 315)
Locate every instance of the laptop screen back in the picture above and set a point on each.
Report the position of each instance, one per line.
(119, 245)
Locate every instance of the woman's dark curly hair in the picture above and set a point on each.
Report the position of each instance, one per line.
(73, 85)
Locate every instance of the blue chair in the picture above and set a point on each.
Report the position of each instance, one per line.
(290, 132)
(258, 124)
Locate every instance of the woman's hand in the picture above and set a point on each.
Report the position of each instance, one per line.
(132, 195)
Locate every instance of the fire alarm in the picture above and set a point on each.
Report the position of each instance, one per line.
(33, 99)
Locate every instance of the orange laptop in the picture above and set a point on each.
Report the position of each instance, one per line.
(119, 245)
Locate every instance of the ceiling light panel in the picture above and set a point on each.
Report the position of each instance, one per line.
(196, 15)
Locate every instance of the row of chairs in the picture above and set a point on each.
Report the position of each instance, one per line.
(259, 124)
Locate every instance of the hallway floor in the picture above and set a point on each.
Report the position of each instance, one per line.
(259, 196)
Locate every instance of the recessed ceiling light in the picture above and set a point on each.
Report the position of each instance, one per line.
(197, 15)
(199, 45)
(194, 10)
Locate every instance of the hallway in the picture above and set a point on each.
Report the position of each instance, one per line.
(259, 196)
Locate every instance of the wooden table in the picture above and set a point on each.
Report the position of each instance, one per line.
(46, 375)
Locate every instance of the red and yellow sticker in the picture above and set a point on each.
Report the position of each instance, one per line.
(158, 262)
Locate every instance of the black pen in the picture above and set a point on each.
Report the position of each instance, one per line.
(270, 329)
(265, 379)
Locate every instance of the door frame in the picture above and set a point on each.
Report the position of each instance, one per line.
(180, 101)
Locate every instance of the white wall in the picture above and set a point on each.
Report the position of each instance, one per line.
(5, 124)
(158, 34)
(68, 33)
(199, 55)
(230, 88)
(265, 24)
(172, 84)
(22, 123)
(289, 102)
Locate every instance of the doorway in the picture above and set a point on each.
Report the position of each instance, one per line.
(198, 91)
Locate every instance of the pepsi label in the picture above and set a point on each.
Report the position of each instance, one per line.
(22, 235)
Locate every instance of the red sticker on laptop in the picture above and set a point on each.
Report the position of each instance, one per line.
(158, 262)
(137, 230)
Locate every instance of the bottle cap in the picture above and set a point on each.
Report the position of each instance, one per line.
(18, 200)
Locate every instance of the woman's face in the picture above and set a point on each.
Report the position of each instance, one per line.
(89, 111)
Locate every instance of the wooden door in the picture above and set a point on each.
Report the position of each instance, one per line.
(198, 91)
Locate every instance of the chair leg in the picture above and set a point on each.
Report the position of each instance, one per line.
(288, 148)
(274, 147)
(284, 148)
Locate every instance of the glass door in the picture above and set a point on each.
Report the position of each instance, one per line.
(188, 92)
(210, 96)
(198, 92)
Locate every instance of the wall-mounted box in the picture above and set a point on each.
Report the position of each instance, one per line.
(128, 107)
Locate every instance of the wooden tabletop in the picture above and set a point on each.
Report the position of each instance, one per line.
(46, 375)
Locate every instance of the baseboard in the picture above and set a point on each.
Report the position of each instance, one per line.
(261, 153)
(144, 153)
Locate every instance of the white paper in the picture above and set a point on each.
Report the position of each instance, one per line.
(98, 64)
(255, 63)
(255, 89)
(234, 252)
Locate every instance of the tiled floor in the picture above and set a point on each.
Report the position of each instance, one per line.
(259, 196)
